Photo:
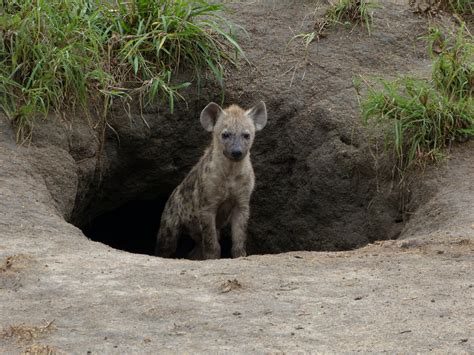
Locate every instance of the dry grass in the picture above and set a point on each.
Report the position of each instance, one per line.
(27, 333)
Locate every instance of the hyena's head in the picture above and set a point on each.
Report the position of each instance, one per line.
(233, 128)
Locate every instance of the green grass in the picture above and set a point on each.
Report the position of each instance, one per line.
(351, 12)
(462, 7)
(58, 55)
(421, 118)
(453, 70)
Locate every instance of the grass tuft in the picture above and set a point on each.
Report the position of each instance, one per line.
(453, 69)
(351, 12)
(343, 12)
(421, 118)
(68, 54)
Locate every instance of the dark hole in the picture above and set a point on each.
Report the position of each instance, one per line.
(134, 226)
(131, 227)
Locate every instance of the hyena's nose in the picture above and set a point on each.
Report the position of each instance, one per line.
(236, 154)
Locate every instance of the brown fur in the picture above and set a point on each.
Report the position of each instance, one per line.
(217, 190)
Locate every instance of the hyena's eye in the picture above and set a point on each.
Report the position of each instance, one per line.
(246, 135)
(225, 135)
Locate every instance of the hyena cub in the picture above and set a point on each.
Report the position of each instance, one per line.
(217, 190)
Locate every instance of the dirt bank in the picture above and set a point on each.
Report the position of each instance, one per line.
(317, 188)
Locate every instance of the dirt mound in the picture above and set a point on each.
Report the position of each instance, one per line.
(317, 189)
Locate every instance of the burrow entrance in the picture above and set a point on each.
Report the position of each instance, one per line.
(134, 226)
(316, 189)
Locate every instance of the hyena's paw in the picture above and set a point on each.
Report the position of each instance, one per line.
(212, 252)
(166, 243)
(238, 252)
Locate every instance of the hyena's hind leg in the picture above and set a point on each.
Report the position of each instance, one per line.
(167, 240)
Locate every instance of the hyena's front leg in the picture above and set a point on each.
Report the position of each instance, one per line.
(211, 248)
(167, 240)
(239, 218)
(196, 236)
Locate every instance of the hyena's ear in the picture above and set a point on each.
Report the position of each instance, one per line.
(258, 114)
(209, 116)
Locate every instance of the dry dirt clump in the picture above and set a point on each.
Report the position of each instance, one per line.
(230, 285)
(26, 333)
(40, 349)
(14, 262)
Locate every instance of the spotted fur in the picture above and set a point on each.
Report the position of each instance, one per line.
(217, 190)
